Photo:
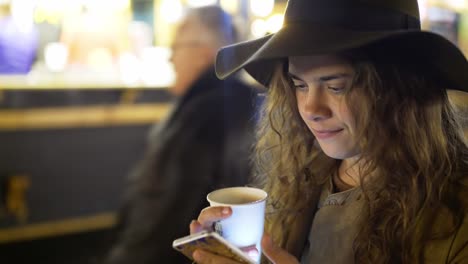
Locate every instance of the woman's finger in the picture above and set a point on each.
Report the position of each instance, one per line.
(195, 227)
(205, 257)
(210, 215)
(251, 251)
(276, 254)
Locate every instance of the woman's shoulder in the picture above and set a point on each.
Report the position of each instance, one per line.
(450, 229)
(451, 249)
(462, 189)
(459, 246)
(458, 250)
(464, 181)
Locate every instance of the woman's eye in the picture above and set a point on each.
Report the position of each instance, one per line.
(336, 89)
(300, 87)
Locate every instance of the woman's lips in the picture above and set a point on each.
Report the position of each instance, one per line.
(326, 134)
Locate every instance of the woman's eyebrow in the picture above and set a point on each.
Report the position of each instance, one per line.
(332, 77)
(325, 78)
(292, 76)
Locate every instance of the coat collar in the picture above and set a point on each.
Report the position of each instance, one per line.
(205, 83)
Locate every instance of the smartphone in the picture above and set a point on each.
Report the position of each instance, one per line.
(212, 242)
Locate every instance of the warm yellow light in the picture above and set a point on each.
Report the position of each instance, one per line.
(274, 23)
(106, 5)
(50, 5)
(258, 28)
(231, 6)
(40, 16)
(136, 70)
(157, 58)
(122, 4)
(197, 3)
(422, 9)
(22, 12)
(129, 67)
(100, 59)
(458, 4)
(262, 8)
(50, 11)
(55, 56)
(171, 10)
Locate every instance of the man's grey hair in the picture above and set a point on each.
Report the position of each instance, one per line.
(218, 22)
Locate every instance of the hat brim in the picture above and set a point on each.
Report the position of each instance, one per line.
(257, 56)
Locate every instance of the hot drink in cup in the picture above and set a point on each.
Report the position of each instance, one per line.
(244, 227)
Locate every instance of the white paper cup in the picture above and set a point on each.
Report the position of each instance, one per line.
(245, 226)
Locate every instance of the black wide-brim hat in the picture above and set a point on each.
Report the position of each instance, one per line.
(313, 27)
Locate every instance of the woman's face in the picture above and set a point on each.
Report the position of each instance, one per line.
(320, 83)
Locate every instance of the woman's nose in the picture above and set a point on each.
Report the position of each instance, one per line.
(316, 106)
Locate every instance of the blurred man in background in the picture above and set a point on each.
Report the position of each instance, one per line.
(203, 144)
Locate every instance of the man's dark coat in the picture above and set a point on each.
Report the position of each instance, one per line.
(204, 144)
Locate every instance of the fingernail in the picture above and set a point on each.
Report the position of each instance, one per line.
(225, 211)
(254, 254)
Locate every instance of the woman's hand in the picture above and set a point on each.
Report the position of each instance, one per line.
(208, 217)
(205, 221)
(205, 257)
(274, 253)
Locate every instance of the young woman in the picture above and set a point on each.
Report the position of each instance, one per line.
(359, 148)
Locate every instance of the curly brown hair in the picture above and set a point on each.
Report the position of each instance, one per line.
(405, 121)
